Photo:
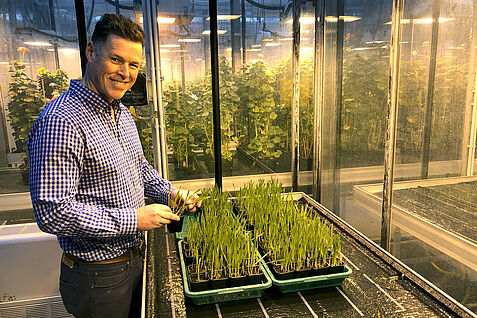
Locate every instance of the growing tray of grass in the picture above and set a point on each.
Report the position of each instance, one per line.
(219, 260)
(211, 296)
(311, 282)
(302, 251)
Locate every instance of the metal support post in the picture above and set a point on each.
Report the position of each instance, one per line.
(390, 142)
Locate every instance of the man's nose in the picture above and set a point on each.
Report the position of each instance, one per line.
(124, 70)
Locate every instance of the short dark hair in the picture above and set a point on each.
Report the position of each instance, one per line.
(117, 24)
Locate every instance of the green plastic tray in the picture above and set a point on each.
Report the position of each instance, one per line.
(225, 294)
(312, 282)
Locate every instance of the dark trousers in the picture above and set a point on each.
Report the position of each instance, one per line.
(106, 290)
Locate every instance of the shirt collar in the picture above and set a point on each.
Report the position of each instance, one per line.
(93, 99)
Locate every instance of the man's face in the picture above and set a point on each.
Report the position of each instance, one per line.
(113, 66)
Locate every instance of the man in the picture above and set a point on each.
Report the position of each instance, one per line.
(89, 178)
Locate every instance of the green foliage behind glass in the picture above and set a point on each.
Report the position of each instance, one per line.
(256, 108)
(28, 97)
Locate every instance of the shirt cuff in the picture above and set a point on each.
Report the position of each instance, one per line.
(128, 221)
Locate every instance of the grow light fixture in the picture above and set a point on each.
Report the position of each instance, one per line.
(160, 20)
(423, 20)
(429, 20)
(189, 40)
(363, 48)
(272, 44)
(303, 20)
(311, 20)
(207, 32)
(345, 18)
(165, 20)
(226, 17)
(37, 43)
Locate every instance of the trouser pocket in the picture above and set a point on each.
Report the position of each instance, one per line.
(69, 288)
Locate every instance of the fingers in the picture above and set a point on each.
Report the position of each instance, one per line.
(189, 198)
(154, 216)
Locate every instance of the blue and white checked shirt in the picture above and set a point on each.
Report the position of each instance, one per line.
(88, 175)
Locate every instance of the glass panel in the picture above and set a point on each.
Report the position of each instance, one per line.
(185, 67)
(261, 108)
(255, 88)
(38, 56)
(354, 117)
(434, 212)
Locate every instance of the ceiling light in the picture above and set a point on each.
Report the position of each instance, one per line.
(429, 20)
(170, 45)
(363, 48)
(345, 18)
(189, 40)
(226, 17)
(165, 20)
(205, 32)
(303, 20)
(423, 21)
(272, 44)
(37, 43)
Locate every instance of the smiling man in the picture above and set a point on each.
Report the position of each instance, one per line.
(89, 178)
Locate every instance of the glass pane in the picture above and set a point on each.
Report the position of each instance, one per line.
(261, 108)
(355, 107)
(187, 99)
(434, 132)
(255, 88)
(38, 56)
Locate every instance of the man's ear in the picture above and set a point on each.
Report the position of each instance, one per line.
(90, 52)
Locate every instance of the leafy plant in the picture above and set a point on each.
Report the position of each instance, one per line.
(283, 98)
(27, 98)
(25, 104)
(260, 133)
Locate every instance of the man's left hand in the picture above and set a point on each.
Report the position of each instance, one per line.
(190, 198)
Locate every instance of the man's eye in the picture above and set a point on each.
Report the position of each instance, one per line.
(115, 59)
(134, 66)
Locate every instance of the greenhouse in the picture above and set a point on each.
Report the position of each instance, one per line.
(329, 147)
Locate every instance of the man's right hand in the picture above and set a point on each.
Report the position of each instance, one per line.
(153, 216)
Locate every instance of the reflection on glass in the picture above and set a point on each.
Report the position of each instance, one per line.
(255, 86)
(38, 55)
(433, 138)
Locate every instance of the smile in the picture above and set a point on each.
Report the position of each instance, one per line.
(118, 82)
